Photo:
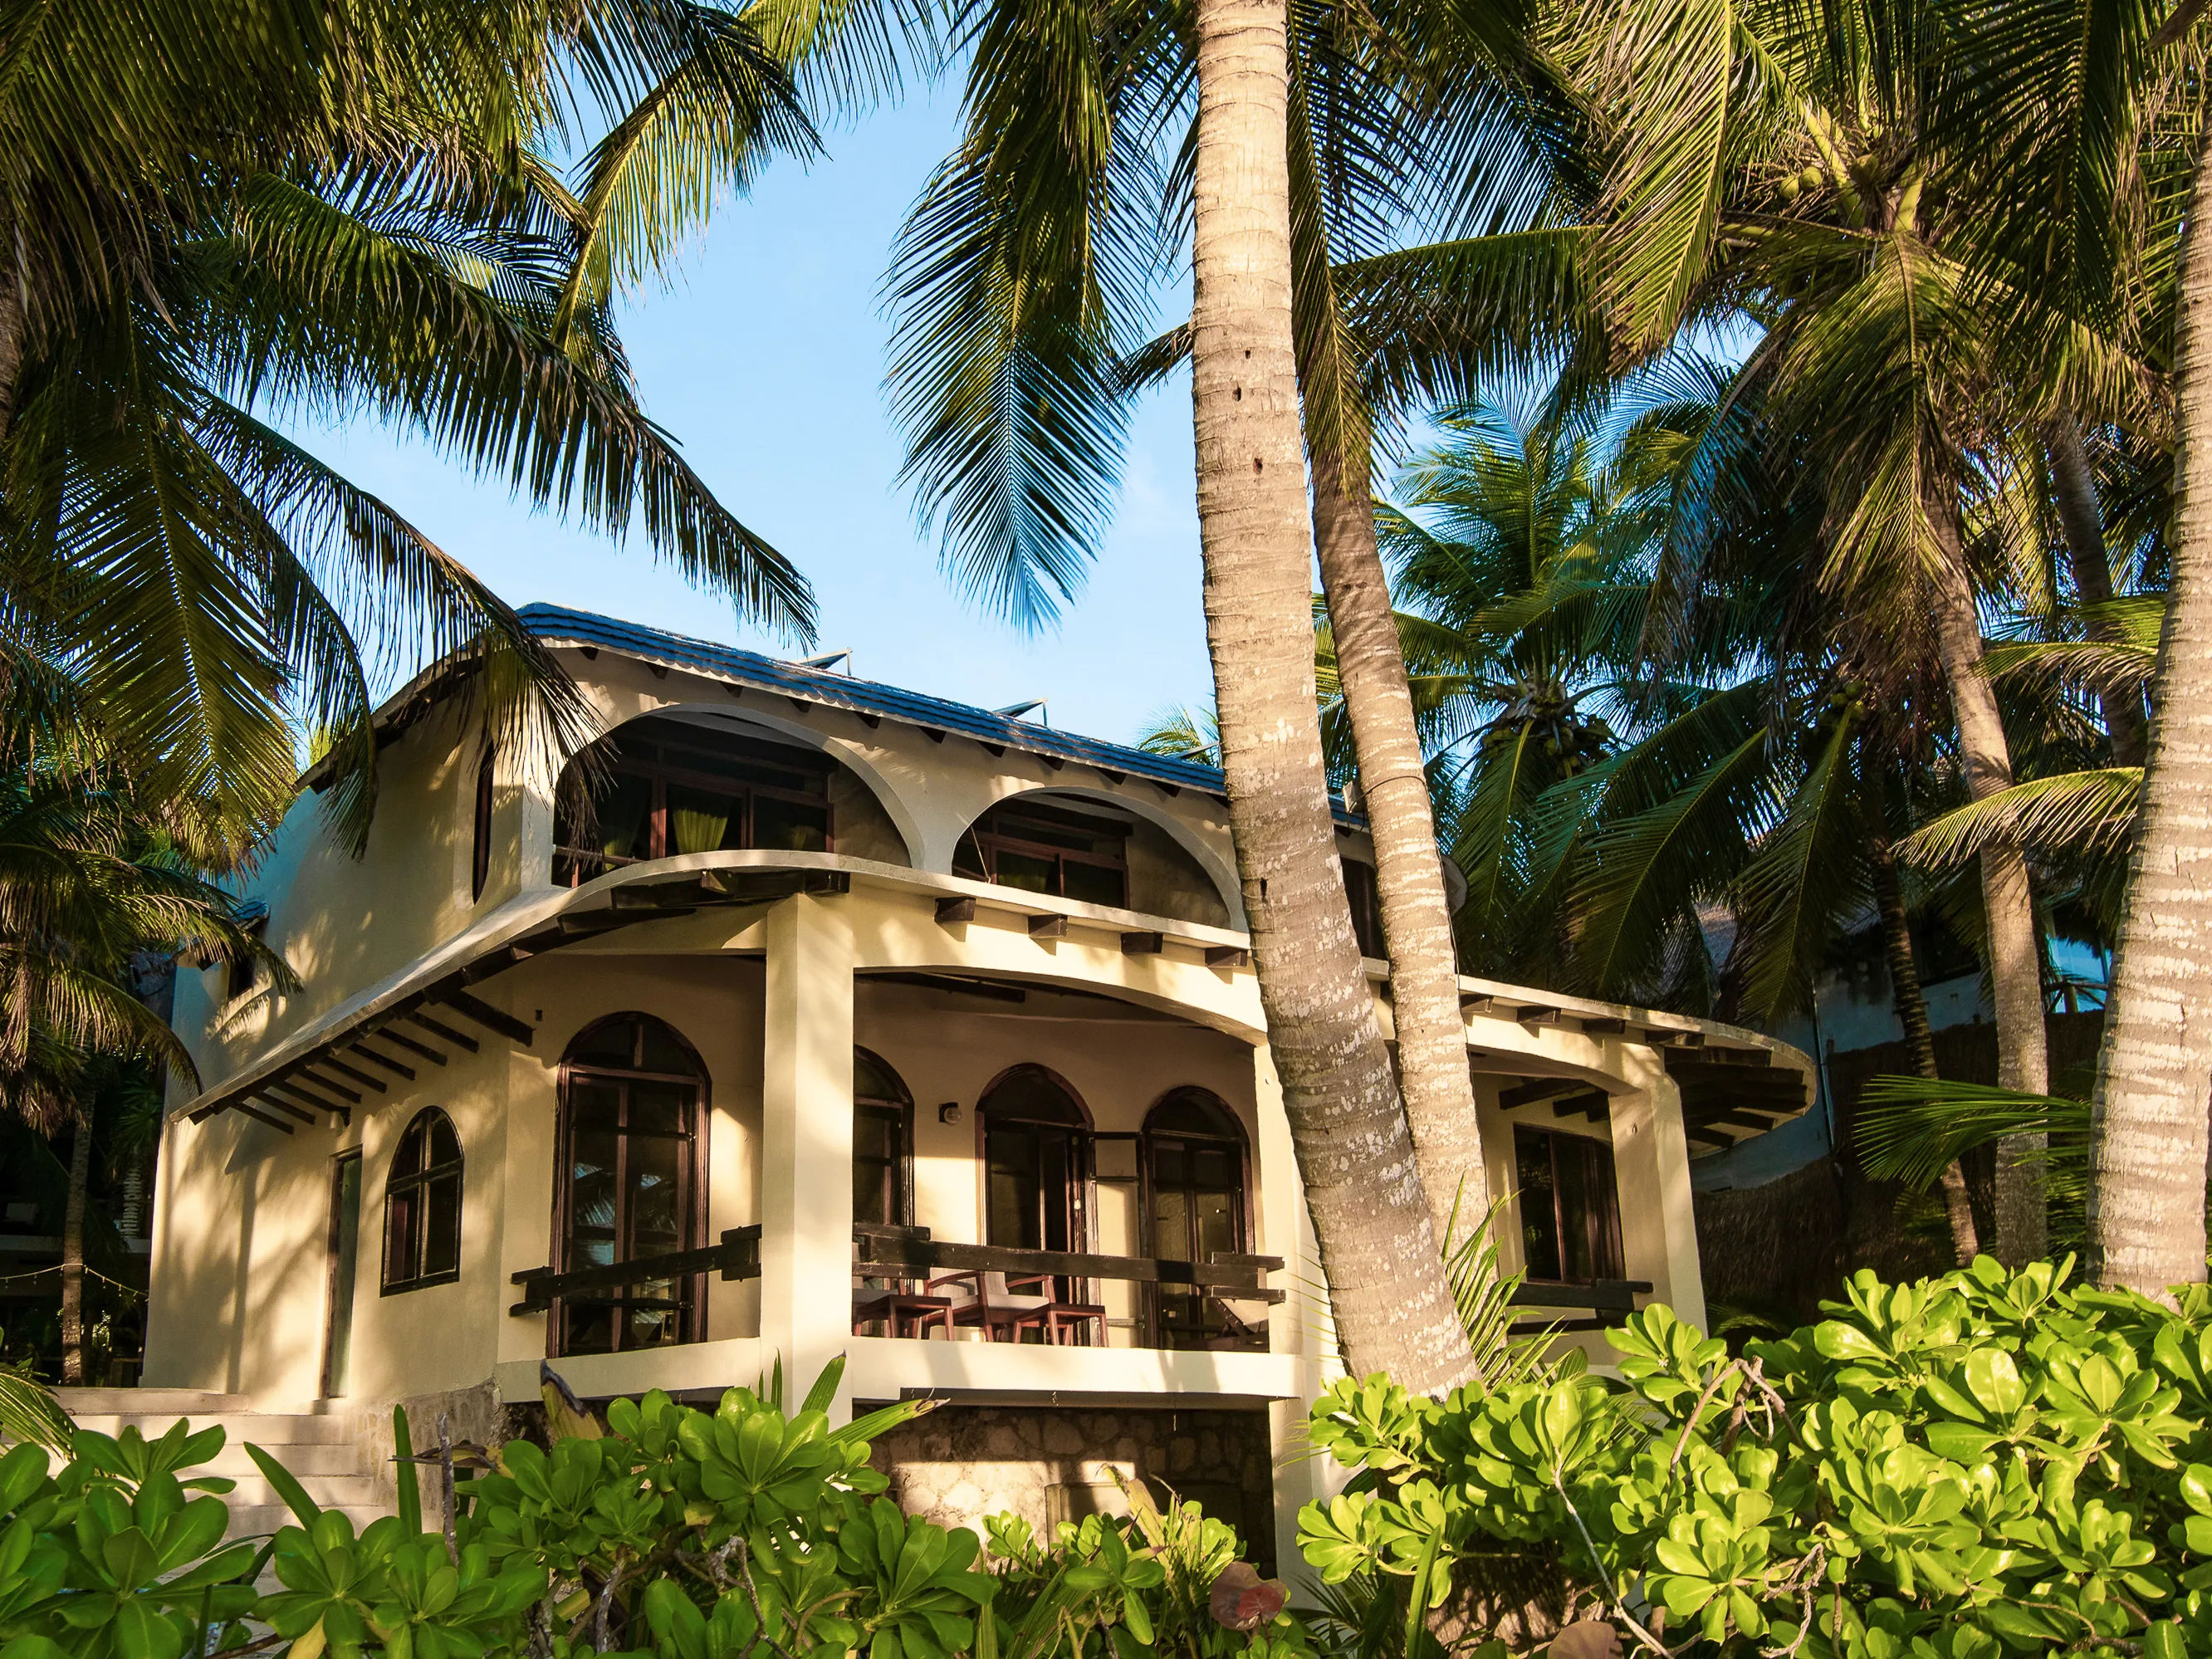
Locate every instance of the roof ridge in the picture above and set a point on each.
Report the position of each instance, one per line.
(922, 709)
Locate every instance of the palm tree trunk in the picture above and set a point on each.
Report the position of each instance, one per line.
(2015, 952)
(80, 1184)
(11, 342)
(1409, 877)
(1912, 1006)
(2146, 1209)
(1378, 1249)
(2091, 566)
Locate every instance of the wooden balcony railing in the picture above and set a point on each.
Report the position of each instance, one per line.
(1228, 1277)
(737, 1256)
(911, 1250)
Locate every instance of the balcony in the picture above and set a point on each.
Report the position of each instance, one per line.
(907, 1285)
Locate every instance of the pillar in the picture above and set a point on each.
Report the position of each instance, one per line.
(1651, 1163)
(807, 1142)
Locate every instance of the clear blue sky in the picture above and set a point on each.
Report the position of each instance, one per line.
(766, 362)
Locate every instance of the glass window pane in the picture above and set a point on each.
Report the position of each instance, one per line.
(612, 1044)
(592, 1186)
(590, 1330)
(1030, 1095)
(403, 1235)
(1028, 872)
(661, 1051)
(624, 809)
(699, 821)
(1539, 1231)
(659, 1109)
(656, 1220)
(1172, 1223)
(789, 826)
(1194, 1111)
(1216, 1216)
(408, 1159)
(874, 1080)
(1094, 884)
(1215, 1168)
(441, 1246)
(445, 1146)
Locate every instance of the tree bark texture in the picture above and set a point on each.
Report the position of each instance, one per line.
(2146, 1209)
(1393, 1310)
(80, 1185)
(12, 322)
(2014, 954)
(1911, 1007)
(2091, 566)
(1409, 877)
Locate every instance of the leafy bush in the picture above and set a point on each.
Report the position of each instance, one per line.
(669, 1532)
(1984, 1464)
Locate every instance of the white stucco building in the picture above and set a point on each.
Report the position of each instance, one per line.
(836, 993)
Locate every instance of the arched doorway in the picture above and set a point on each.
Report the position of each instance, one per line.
(882, 1144)
(631, 1182)
(1196, 1205)
(1036, 1161)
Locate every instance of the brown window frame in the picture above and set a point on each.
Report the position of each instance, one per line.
(695, 1170)
(899, 1109)
(440, 1184)
(989, 839)
(644, 756)
(1600, 1228)
(1148, 1138)
(1081, 1214)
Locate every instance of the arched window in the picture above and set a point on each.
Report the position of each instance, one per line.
(422, 1206)
(480, 849)
(1043, 848)
(668, 787)
(1195, 1206)
(1036, 1157)
(883, 1144)
(633, 1150)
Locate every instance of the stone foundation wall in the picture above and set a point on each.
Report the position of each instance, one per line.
(1049, 1464)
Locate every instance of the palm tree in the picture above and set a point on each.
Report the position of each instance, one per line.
(343, 211)
(89, 880)
(2146, 1202)
(2102, 169)
(1830, 192)
(1020, 279)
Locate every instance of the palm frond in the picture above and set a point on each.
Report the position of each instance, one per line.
(2073, 812)
(1911, 1129)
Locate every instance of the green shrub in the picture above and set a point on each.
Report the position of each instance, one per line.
(672, 1533)
(1984, 1464)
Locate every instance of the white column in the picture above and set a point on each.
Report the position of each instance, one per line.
(806, 1142)
(1651, 1161)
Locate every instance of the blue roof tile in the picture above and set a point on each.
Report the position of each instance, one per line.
(556, 624)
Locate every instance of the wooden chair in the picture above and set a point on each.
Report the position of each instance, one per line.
(989, 1301)
(895, 1302)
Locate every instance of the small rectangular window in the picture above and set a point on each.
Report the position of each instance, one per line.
(1570, 1206)
(244, 972)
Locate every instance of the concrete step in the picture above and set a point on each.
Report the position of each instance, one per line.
(318, 1449)
(149, 1402)
(263, 1428)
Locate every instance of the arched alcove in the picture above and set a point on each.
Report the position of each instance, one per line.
(1094, 849)
(672, 782)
